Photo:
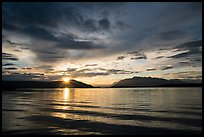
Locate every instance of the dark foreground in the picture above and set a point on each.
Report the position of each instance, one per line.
(107, 111)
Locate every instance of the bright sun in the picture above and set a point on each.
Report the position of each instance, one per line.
(66, 80)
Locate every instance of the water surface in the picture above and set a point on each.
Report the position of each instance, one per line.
(85, 111)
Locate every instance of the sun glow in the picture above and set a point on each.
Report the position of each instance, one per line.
(66, 80)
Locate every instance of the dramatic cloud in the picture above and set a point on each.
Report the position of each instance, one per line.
(8, 64)
(8, 56)
(83, 45)
(192, 48)
(137, 55)
(104, 23)
(12, 68)
(117, 40)
(74, 72)
(24, 76)
(150, 69)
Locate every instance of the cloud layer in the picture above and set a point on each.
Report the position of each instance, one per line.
(123, 37)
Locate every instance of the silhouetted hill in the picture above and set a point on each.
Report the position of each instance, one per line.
(153, 82)
(43, 84)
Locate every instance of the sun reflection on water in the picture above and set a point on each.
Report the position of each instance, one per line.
(66, 94)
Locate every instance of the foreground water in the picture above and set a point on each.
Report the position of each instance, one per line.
(79, 111)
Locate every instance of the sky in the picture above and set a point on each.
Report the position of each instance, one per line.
(101, 43)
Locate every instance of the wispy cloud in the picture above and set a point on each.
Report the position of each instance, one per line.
(8, 56)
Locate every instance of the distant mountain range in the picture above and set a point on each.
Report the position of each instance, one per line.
(153, 82)
(125, 83)
(43, 84)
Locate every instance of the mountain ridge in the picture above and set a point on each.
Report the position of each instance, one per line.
(44, 84)
(152, 82)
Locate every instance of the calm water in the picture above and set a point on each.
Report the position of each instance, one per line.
(102, 111)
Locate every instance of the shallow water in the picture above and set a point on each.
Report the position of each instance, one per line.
(85, 111)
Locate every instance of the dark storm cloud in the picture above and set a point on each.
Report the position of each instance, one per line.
(171, 35)
(95, 25)
(36, 32)
(39, 33)
(120, 23)
(8, 56)
(105, 13)
(71, 16)
(31, 19)
(192, 48)
(11, 68)
(80, 45)
(108, 27)
(91, 25)
(14, 43)
(23, 76)
(166, 67)
(104, 23)
(36, 19)
(24, 13)
(137, 55)
(40, 21)
(150, 69)
(8, 64)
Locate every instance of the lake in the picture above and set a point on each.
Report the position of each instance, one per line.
(102, 111)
